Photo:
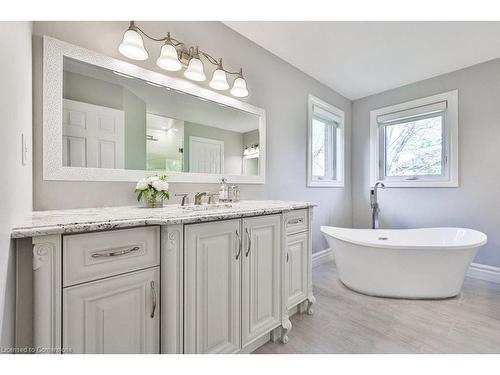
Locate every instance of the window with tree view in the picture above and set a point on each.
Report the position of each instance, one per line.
(415, 143)
(414, 147)
(325, 159)
(323, 148)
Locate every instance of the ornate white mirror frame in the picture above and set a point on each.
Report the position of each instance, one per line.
(54, 52)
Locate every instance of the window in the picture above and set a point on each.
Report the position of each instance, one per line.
(415, 143)
(325, 167)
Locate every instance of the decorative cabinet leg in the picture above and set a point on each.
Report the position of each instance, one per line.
(310, 301)
(286, 327)
(276, 334)
(301, 308)
(47, 287)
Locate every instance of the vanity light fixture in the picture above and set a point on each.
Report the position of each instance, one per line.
(132, 45)
(239, 87)
(168, 58)
(219, 79)
(195, 70)
(175, 54)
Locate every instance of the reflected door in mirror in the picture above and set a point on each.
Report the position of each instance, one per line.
(206, 155)
(93, 136)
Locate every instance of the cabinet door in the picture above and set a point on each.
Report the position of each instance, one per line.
(115, 315)
(296, 268)
(212, 287)
(261, 276)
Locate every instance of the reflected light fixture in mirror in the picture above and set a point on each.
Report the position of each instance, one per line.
(175, 54)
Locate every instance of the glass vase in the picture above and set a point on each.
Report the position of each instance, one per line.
(152, 201)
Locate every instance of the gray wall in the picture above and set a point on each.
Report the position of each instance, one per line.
(16, 186)
(273, 84)
(251, 137)
(476, 203)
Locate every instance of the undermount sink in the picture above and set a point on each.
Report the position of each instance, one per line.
(207, 207)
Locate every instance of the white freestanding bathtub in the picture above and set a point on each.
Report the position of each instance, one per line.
(404, 263)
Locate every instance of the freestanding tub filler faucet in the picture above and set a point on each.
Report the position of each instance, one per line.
(374, 203)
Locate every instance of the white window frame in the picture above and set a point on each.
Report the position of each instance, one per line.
(449, 178)
(338, 168)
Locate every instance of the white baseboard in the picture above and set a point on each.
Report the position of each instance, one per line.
(482, 272)
(323, 256)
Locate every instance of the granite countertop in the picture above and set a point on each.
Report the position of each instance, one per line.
(41, 223)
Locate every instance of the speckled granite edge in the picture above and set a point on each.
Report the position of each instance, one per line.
(46, 222)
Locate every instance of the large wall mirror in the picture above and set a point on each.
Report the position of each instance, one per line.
(108, 120)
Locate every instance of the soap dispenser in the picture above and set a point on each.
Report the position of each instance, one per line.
(223, 192)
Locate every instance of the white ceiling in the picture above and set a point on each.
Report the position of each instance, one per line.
(358, 59)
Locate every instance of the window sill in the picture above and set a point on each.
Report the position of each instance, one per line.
(420, 184)
(325, 184)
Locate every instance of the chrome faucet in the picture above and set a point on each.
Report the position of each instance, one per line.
(198, 196)
(211, 197)
(185, 198)
(374, 203)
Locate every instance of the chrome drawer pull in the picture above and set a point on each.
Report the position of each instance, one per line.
(295, 221)
(115, 253)
(153, 297)
(249, 242)
(240, 244)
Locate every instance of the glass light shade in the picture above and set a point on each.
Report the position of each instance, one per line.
(219, 80)
(132, 46)
(239, 88)
(168, 58)
(195, 71)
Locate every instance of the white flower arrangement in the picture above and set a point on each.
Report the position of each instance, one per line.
(153, 189)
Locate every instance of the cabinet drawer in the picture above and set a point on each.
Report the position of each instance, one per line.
(92, 256)
(296, 221)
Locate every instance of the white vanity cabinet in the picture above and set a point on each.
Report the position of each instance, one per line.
(261, 272)
(115, 315)
(111, 291)
(212, 270)
(232, 283)
(298, 282)
(296, 268)
(224, 284)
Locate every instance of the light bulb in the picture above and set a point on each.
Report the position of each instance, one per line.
(195, 71)
(132, 46)
(219, 80)
(168, 58)
(239, 88)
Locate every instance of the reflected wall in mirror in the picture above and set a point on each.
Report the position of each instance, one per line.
(116, 121)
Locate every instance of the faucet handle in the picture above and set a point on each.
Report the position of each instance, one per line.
(185, 198)
(211, 197)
